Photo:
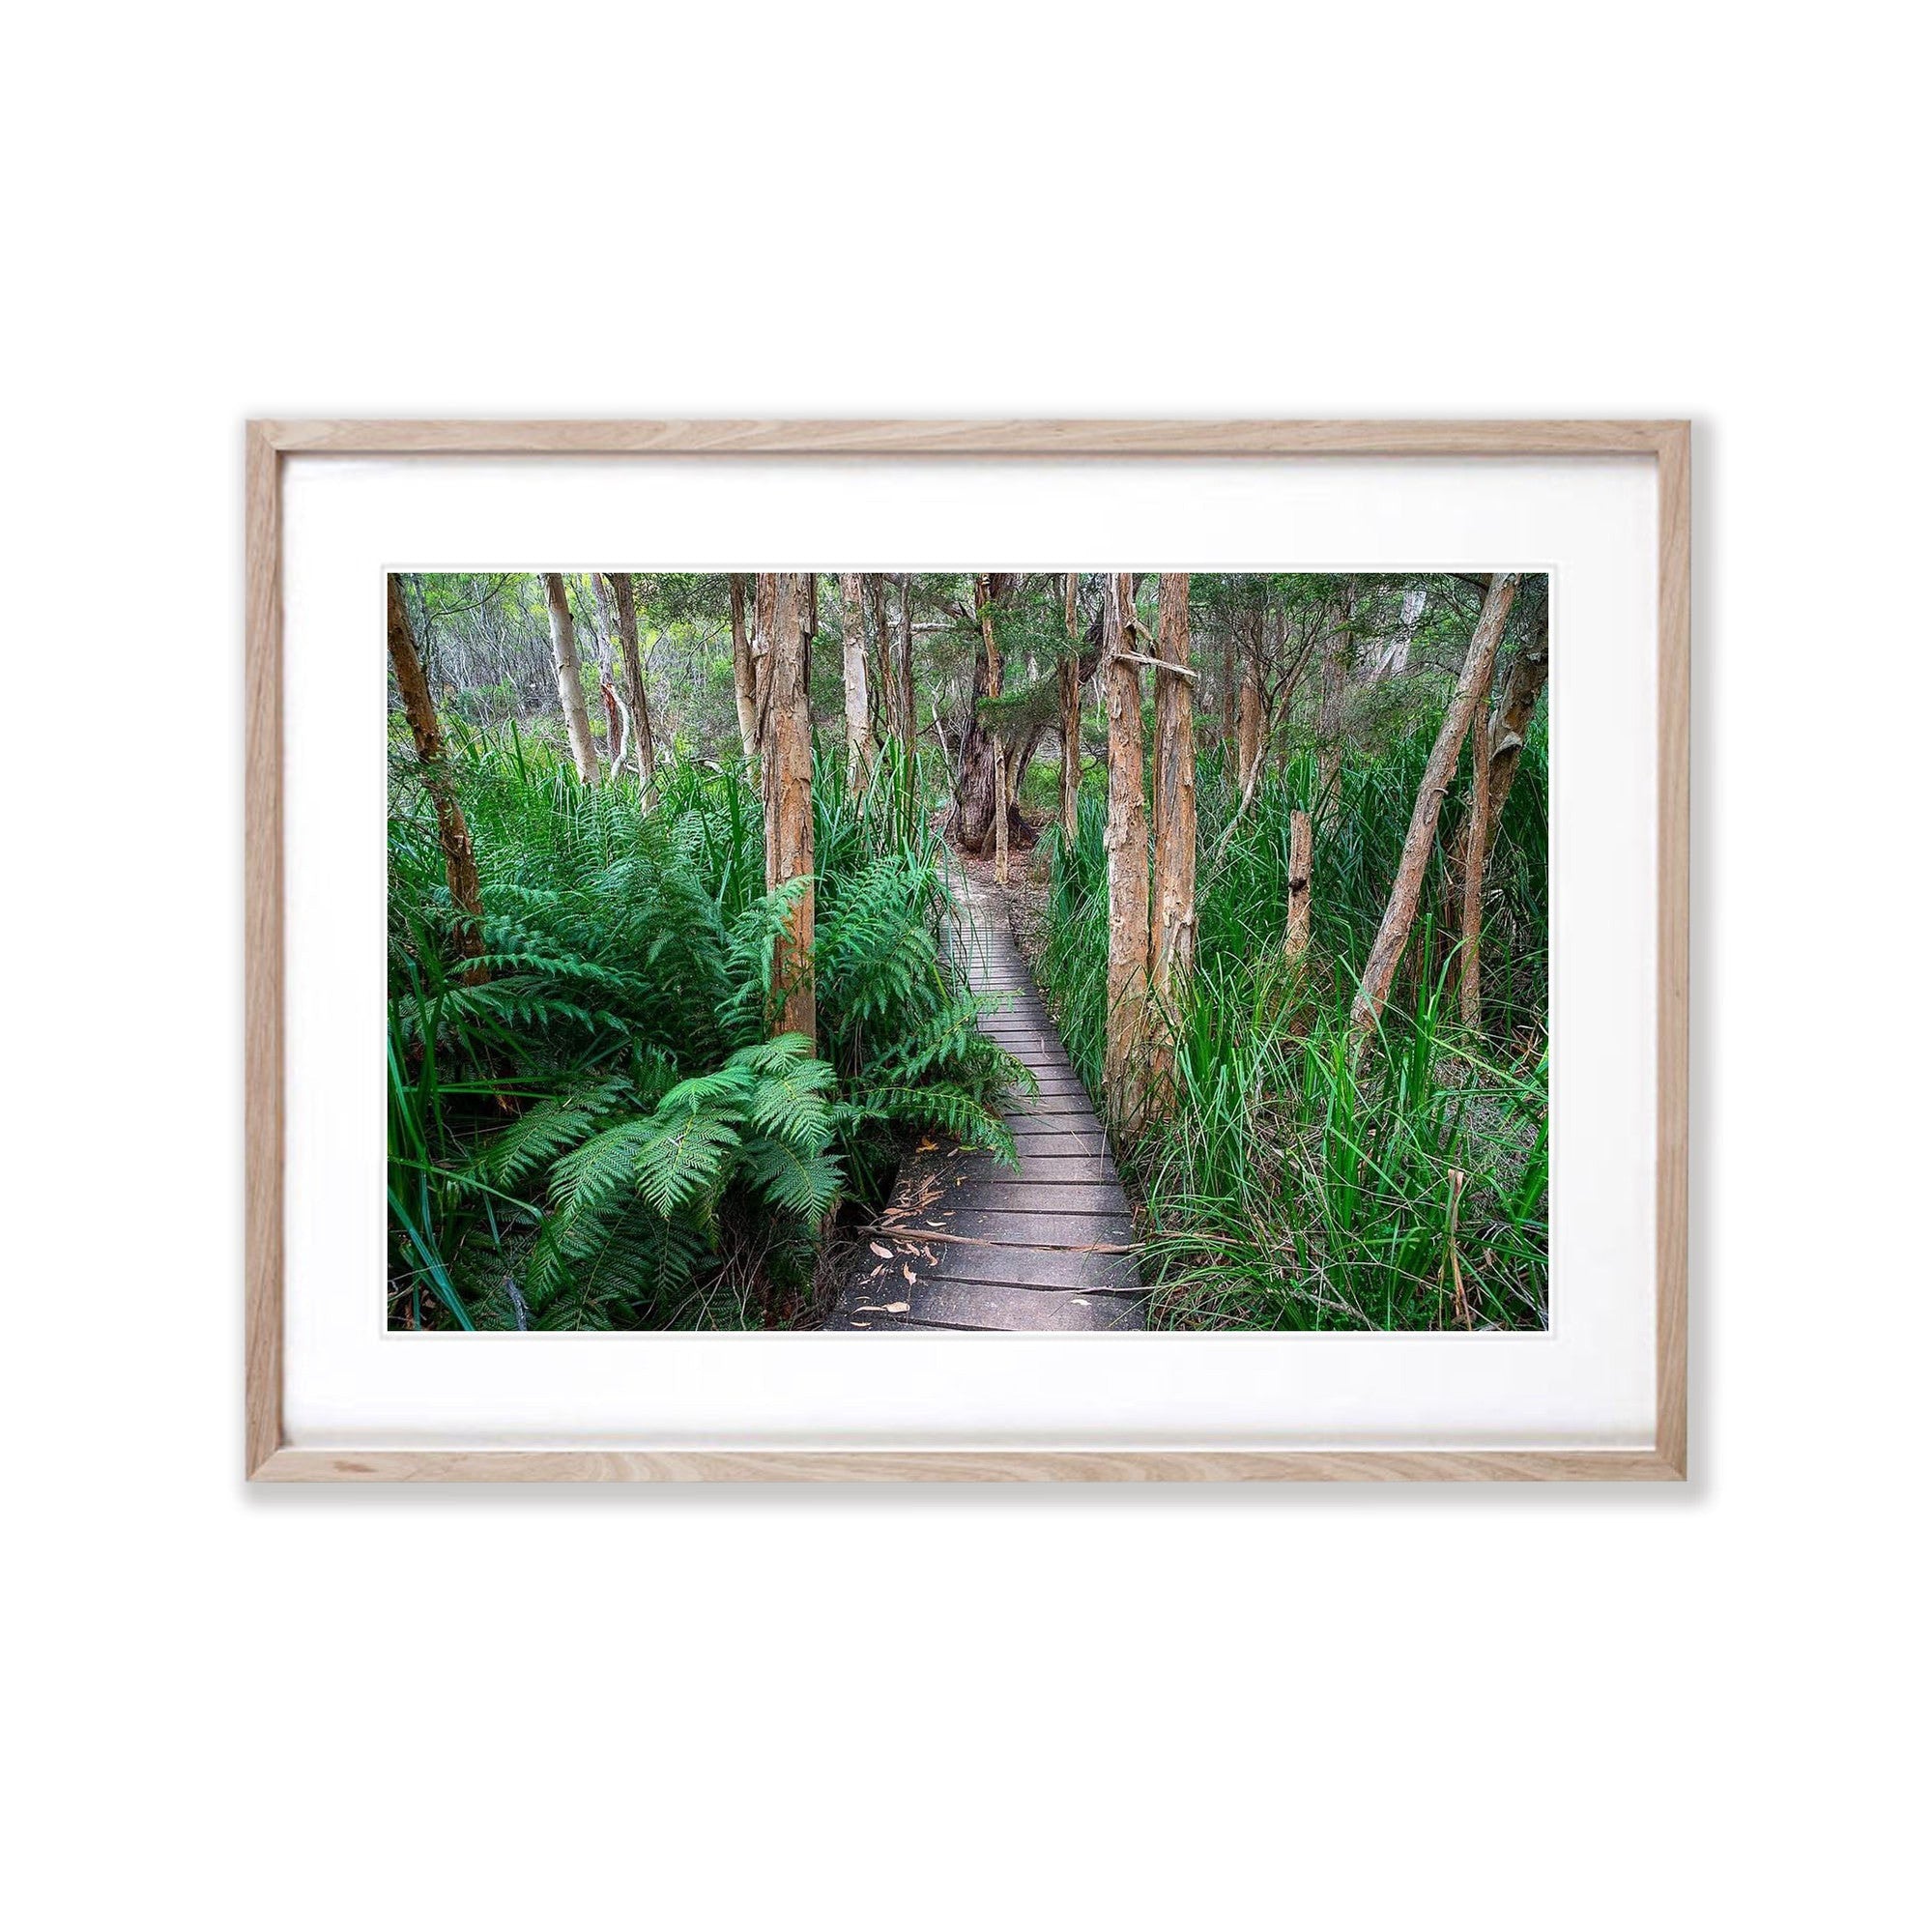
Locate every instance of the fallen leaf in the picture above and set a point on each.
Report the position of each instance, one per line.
(907, 1272)
(898, 1308)
(884, 1254)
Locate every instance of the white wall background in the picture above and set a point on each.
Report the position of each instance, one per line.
(696, 1710)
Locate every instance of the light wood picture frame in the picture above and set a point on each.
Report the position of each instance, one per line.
(271, 1457)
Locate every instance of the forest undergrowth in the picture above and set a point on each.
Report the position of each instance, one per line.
(588, 1127)
(1302, 1183)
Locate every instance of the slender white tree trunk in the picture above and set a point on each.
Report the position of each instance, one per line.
(744, 677)
(570, 679)
(859, 748)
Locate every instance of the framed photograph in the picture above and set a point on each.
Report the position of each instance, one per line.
(968, 951)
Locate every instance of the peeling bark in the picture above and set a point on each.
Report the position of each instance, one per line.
(1509, 726)
(630, 666)
(1478, 665)
(453, 830)
(1301, 900)
(908, 704)
(983, 809)
(1469, 961)
(1070, 720)
(570, 679)
(860, 752)
(786, 741)
(1175, 849)
(994, 681)
(880, 670)
(1124, 1066)
(744, 677)
(1528, 674)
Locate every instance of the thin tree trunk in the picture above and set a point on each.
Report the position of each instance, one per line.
(621, 730)
(1338, 649)
(453, 830)
(1528, 674)
(1399, 916)
(1124, 1066)
(1509, 726)
(884, 695)
(786, 736)
(615, 734)
(1301, 853)
(1070, 720)
(1469, 962)
(994, 683)
(1247, 722)
(570, 679)
(623, 594)
(744, 675)
(859, 749)
(908, 705)
(1175, 850)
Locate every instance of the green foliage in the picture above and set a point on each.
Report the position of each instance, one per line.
(1299, 1184)
(598, 1134)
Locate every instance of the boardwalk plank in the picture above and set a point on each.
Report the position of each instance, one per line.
(973, 1245)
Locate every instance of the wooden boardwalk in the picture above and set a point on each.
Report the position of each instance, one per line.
(967, 1242)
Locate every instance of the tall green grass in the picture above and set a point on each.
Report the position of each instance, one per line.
(599, 1133)
(1300, 1184)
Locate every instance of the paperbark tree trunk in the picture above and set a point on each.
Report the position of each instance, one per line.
(630, 665)
(909, 706)
(884, 701)
(1509, 725)
(453, 830)
(1300, 902)
(620, 727)
(1528, 674)
(570, 679)
(1175, 852)
(1247, 702)
(1070, 720)
(788, 798)
(859, 749)
(995, 685)
(982, 795)
(1399, 916)
(1469, 961)
(744, 675)
(615, 734)
(1124, 1063)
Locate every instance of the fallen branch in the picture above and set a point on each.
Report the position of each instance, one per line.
(1157, 663)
